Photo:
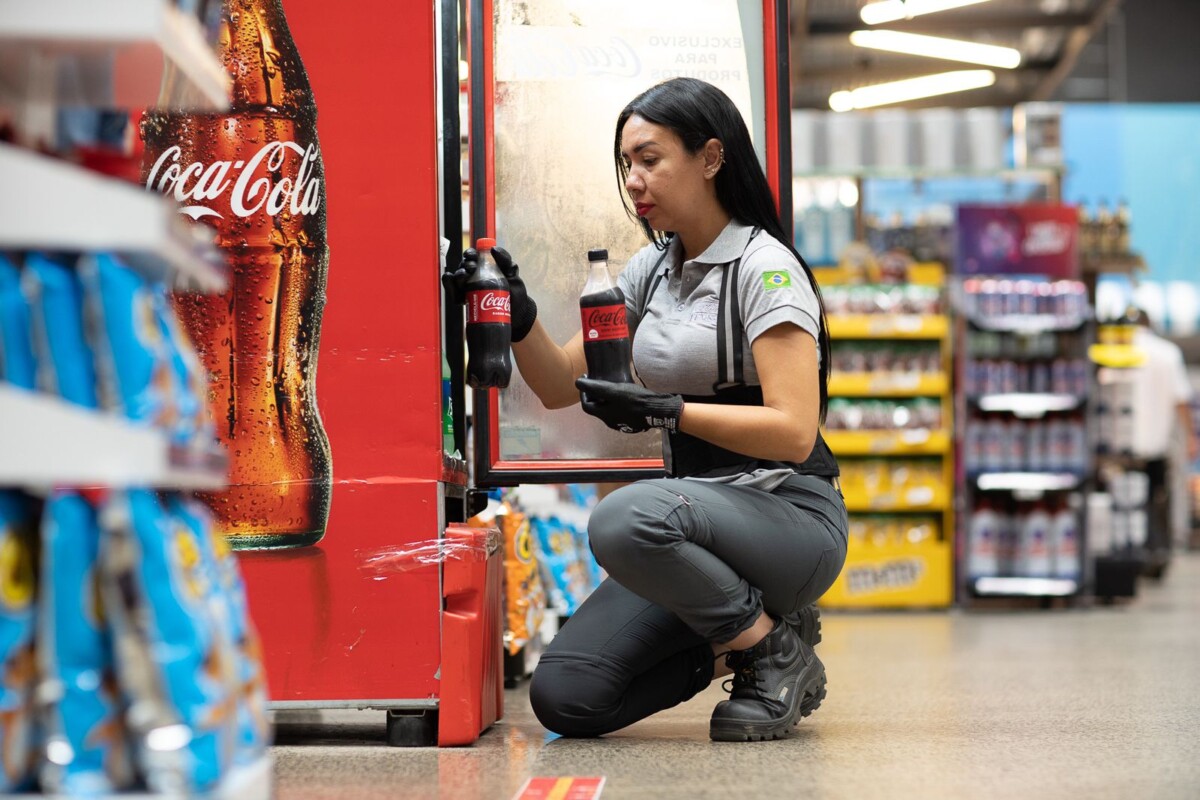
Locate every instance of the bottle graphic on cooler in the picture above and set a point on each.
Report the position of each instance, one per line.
(489, 323)
(605, 332)
(255, 174)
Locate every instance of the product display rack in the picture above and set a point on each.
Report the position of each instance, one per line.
(152, 53)
(1023, 488)
(900, 553)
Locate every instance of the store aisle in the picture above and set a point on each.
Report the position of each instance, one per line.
(1103, 703)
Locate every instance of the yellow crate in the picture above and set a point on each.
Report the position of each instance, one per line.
(894, 575)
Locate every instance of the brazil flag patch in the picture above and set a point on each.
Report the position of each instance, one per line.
(776, 280)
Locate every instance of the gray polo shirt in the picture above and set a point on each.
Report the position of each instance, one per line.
(674, 337)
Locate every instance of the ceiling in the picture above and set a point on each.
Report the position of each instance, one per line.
(1065, 48)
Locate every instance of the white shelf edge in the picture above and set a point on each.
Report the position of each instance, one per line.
(131, 29)
(1026, 587)
(1029, 404)
(1027, 481)
(46, 442)
(1026, 323)
(48, 204)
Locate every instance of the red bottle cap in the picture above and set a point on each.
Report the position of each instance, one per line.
(485, 243)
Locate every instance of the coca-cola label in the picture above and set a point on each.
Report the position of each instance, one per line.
(489, 305)
(602, 323)
(249, 183)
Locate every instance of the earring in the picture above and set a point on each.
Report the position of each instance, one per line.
(720, 161)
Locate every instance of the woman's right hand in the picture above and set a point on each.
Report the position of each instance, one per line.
(524, 309)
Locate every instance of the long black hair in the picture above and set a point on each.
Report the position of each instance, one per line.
(696, 112)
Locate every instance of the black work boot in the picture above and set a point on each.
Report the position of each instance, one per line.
(807, 623)
(774, 684)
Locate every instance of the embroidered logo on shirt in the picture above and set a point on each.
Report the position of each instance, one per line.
(776, 280)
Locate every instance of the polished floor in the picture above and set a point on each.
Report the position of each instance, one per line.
(1085, 703)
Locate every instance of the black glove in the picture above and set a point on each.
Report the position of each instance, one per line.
(524, 310)
(630, 408)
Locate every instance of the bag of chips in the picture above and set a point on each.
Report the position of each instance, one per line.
(192, 425)
(169, 660)
(227, 599)
(17, 623)
(132, 359)
(86, 749)
(524, 594)
(17, 364)
(64, 359)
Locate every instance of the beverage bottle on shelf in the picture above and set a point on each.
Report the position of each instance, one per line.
(1035, 446)
(1033, 549)
(1064, 542)
(1122, 219)
(605, 332)
(1015, 441)
(489, 322)
(983, 542)
(1006, 549)
(255, 174)
(447, 408)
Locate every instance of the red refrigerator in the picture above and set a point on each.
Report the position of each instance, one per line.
(398, 607)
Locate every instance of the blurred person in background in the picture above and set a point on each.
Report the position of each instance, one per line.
(1162, 418)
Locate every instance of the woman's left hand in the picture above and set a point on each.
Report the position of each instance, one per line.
(630, 408)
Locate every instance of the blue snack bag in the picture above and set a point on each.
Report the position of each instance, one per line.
(131, 351)
(556, 557)
(17, 364)
(167, 659)
(227, 598)
(192, 425)
(86, 747)
(64, 360)
(18, 669)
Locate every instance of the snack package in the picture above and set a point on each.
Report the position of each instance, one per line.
(525, 598)
(18, 669)
(132, 358)
(236, 633)
(64, 360)
(558, 553)
(17, 364)
(86, 748)
(169, 660)
(189, 377)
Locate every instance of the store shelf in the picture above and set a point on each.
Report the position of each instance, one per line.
(919, 498)
(1025, 587)
(1028, 405)
(887, 384)
(1114, 265)
(888, 326)
(1027, 481)
(905, 442)
(1119, 356)
(149, 45)
(46, 442)
(1026, 323)
(53, 205)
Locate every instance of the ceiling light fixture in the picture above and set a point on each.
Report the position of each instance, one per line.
(882, 94)
(989, 55)
(892, 10)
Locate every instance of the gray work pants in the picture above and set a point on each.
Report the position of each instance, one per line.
(690, 563)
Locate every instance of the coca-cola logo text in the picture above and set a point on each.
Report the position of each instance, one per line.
(496, 301)
(197, 185)
(606, 317)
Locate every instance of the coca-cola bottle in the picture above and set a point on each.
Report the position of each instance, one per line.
(605, 331)
(489, 322)
(255, 174)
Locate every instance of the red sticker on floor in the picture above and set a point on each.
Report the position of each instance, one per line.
(561, 789)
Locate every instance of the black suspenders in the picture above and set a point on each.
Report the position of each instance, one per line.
(730, 370)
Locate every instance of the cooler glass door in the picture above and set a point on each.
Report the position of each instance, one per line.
(548, 79)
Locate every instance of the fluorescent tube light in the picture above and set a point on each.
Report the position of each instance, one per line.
(892, 10)
(882, 94)
(915, 44)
